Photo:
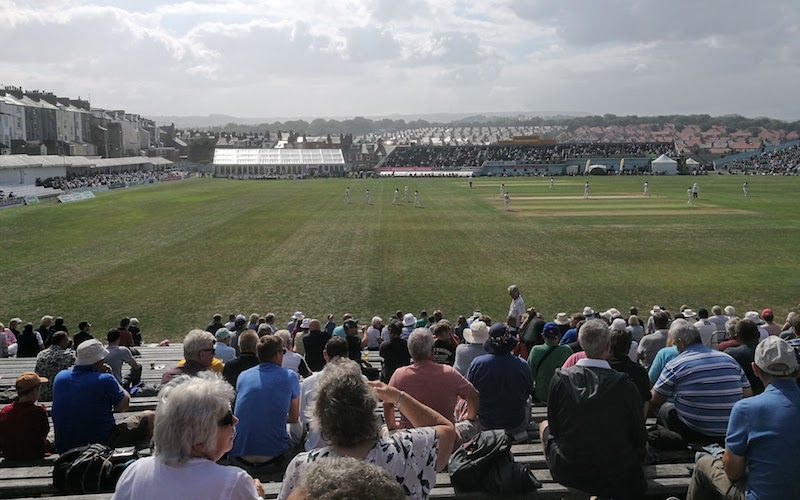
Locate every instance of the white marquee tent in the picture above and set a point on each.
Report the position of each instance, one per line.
(664, 165)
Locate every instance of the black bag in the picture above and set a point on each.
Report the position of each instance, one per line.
(89, 469)
(485, 464)
(368, 370)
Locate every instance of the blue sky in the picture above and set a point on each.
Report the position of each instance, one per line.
(374, 57)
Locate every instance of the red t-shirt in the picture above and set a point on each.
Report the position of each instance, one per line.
(434, 385)
(24, 431)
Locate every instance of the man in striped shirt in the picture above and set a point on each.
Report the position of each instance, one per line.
(705, 384)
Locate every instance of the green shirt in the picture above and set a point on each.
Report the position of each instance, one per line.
(541, 375)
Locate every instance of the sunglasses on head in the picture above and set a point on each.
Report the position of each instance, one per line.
(226, 420)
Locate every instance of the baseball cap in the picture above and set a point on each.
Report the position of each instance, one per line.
(350, 323)
(498, 330)
(222, 334)
(767, 312)
(84, 324)
(776, 357)
(28, 381)
(551, 330)
(90, 352)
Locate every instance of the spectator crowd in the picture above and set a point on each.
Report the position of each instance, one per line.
(777, 162)
(474, 156)
(116, 179)
(253, 399)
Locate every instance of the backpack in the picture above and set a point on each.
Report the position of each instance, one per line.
(485, 464)
(89, 469)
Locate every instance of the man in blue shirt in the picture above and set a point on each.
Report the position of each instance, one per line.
(84, 399)
(504, 382)
(762, 440)
(267, 399)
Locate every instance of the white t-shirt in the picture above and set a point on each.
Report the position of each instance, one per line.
(409, 456)
(706, 327)
(291, 361)
(198, 479)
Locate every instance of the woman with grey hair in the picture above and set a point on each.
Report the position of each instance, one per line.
(344, 414)
(194, 428)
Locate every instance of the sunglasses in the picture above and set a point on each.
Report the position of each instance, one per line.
(226, 420)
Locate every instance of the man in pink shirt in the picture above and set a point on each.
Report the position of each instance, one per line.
(432, 384)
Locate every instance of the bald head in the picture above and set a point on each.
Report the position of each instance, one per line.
(314, 325)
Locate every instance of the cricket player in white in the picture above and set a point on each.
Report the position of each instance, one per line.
(396, 199)
(646, 191)
(746, 189)
(585, 190)
(552, 182)
(506, 201)
(417, 200)
(347, 194)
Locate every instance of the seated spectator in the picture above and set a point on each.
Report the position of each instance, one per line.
(84, 399)
(444, 349)
(394, 352)
(44, 329)
(437, 386)
(297, 340)
(744, 354)
(248, 342)
(654, 342)
(330, 324)
(770, 326)
(545, 359)
(252, 323)
(117, 355)
(531, 328)
(136, 332)
(354, 340)
(314, 345)
(24, 423)
(474, 336)
(409, 324)
(292, 360)
(52, 360)
(620, 360)
(761, 441)
(268, 409)
(125, 335)
(3, 344)
(571, 335)
(504, 382)
(705, 385)
(198, 353)
(322, 480)
(83, 334)
(194, 428)
(29, 342)
(239, 326)
(335, 349)
(345, 414)
(792, 327)
(705, 326)
(374, 334)
(594, 436)
(666, 354)
(222, 348)
(730, 333)
(718, 318)
(461, 325)
(7, 336)
(635, 328)
(215, 325)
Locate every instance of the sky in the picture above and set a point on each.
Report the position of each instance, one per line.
(287, 58)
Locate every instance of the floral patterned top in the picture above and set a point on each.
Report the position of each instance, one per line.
(48, 363)
(409, 456)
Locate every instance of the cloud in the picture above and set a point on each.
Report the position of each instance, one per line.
(319, 58)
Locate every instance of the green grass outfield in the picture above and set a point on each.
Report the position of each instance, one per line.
(175, 253)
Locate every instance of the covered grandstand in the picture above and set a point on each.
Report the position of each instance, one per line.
(263, 163)
(25, 169)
